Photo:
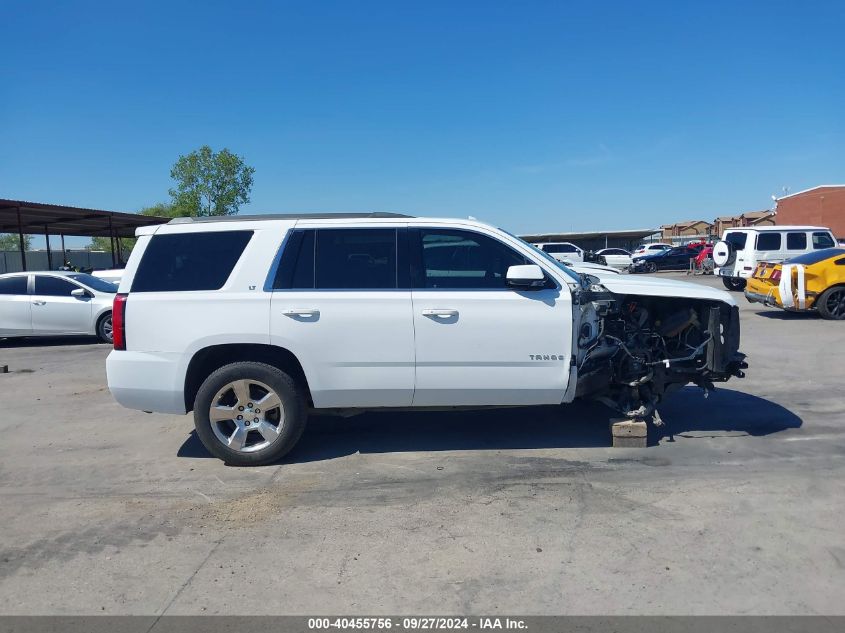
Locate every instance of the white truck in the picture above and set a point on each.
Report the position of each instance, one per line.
(250, 322)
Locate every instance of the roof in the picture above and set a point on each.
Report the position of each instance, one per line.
(36, 218)
(798, 193)
(289, 216)
(586, 235)
(779, 227)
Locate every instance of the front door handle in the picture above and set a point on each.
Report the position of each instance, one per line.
(39, 302)
(301, 312)
(440, 312)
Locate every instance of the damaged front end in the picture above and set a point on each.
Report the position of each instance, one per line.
(633, 349)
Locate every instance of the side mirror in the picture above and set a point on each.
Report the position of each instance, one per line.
(79, 293)
(525, 277)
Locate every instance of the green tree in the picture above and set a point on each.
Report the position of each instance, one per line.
(210, 183)
(11, 242)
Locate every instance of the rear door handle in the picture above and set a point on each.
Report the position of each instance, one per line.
(440, 312)
(301, 312)
(39, 302)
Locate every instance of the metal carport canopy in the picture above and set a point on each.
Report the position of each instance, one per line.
(36, 218)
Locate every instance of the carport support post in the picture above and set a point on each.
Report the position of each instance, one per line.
(64, 254)
(20, 237)
(49, 252)
(111, 238)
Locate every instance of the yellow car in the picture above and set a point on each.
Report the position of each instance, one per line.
(812, 281)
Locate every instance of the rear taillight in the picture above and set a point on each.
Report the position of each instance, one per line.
(775, 275)
(118, 321)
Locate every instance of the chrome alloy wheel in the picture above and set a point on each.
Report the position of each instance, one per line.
(108, 328)
(246, 416)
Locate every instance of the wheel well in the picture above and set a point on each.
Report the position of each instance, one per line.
(103, 316)
(209, 359)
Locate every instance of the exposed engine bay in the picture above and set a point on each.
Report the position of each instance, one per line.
(632, 350)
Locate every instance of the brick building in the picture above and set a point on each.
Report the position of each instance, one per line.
(749, 218)
(820, 206)
(689, 228)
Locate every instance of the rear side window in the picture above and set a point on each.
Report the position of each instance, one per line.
(13, 286)
(339, 259)
(768, 242)
(823, 240)
(796, 241)
(53, 286)
(189, 261)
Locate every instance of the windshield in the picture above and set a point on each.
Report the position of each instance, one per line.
(95, 283)
(571, 273)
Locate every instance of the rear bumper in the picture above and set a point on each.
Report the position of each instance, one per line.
(147, 381)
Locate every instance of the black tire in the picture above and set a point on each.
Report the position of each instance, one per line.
(651, 267)
(734, 283)
(290, 427)
(104, 329)
(831, 303)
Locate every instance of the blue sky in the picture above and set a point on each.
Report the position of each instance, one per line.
(535, 116)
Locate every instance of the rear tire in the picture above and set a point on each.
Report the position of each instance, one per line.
(734, 283)
(104, 329)
(831, 303)
(245, 432)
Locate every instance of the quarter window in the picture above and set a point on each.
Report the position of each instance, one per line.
(737, 240)
(53, 286)
(823, 240)
(13, 285)
(796, 241)
(189, 261)
(559, 248)
(768, 242)
(455, 259)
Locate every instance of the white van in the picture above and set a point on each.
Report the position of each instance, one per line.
(738, 253)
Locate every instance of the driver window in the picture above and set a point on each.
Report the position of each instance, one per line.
(464, 260)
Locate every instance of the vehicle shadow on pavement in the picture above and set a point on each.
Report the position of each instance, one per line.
(785, 315)
(49, 341)
(688, 414)
(578, 425)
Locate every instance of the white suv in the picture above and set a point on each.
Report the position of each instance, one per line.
(252, 321)
(737, 254)
(563, 251)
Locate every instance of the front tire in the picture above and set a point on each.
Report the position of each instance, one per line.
(104, 329)
(734, 283)
(831, 303)
(249, 414)
(651, 267)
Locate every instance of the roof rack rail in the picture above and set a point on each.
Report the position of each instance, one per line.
(288, 216)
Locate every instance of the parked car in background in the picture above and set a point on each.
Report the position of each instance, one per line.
(650, 249)
(616, 257)
(740, 250)
(677, 258)
(113, 275)
(250, 322)
(562, 250)
(813, 281)
(55, 303)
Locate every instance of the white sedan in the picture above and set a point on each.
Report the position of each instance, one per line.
(650, 249)
(616, 257)
(54, 303)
